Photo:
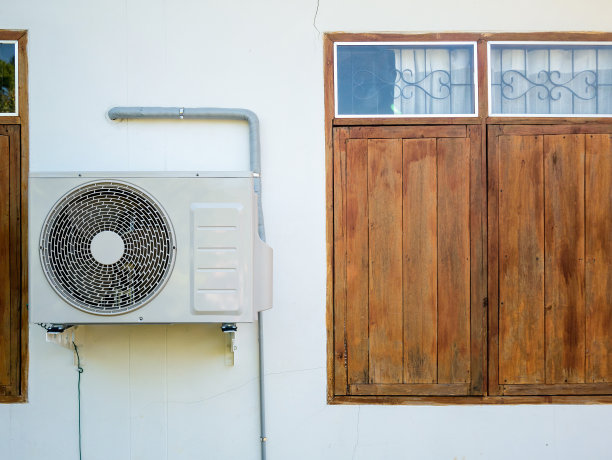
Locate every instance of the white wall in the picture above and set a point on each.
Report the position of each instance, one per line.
(164, 392)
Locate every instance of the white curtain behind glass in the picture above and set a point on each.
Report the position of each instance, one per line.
(434, 81)
(555, 80)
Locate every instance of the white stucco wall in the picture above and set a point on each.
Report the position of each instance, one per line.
(164, 392)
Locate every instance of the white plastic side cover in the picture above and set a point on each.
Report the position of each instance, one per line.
(262, 276)
(217, 284)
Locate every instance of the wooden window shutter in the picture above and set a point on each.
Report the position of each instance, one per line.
(11, 359)
(409, 271)
(550, 262)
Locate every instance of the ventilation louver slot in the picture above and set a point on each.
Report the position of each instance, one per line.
(107, 247)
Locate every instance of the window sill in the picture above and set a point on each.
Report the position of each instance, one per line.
(468, 400)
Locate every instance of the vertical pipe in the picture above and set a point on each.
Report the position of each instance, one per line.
(262, 393)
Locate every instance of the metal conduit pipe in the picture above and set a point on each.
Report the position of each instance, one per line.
(216, 113)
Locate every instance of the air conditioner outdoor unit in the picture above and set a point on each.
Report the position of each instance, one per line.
(146, 248)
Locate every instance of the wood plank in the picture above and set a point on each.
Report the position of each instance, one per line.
(340, 356)
(328, 93)
(559, 389)
(357, 265)
(420, 260)
(328, 53)
(11, 120)
(390, 389)
(471, 400)
(598, 225)
(548, 36)
(385, 256)
(5, 266)
(401, 37)
(493, 387)
(12, 34)
(521, 263)
(406, 132)
(382, 121)
(564, 248)
(483, 79)
(23, 156)
(453, 261)
(15, 257)
(580, 128)
(527, 125)
(468, 36)
(478, 267)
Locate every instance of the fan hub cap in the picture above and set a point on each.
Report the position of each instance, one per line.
(107, 247)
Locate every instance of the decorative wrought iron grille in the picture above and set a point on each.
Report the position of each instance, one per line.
(551, 79)
(395, 80)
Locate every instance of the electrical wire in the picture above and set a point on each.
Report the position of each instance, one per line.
(80, 371)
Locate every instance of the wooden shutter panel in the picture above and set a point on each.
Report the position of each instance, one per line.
(10, 262)
(550, 253)
(420, 222)
(598, 246)
(521, 265)
(408, 265)
(5, 277)
(564, 258)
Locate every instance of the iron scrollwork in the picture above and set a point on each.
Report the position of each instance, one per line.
(548, 85)
(436, 84)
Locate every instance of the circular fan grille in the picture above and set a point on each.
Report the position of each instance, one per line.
(120, 284)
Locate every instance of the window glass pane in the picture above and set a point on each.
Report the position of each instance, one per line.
(7, 77)
(550, 79)
(398, 80)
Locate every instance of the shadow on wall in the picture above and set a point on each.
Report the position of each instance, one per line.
(150, 389)
(177, 356)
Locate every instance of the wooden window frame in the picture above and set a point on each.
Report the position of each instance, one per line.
(484, 121)
(16, 392)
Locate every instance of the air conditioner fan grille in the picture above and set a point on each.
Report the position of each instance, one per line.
(144, 263)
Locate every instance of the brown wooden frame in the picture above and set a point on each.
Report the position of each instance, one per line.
(18, 390)
(570, 125)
